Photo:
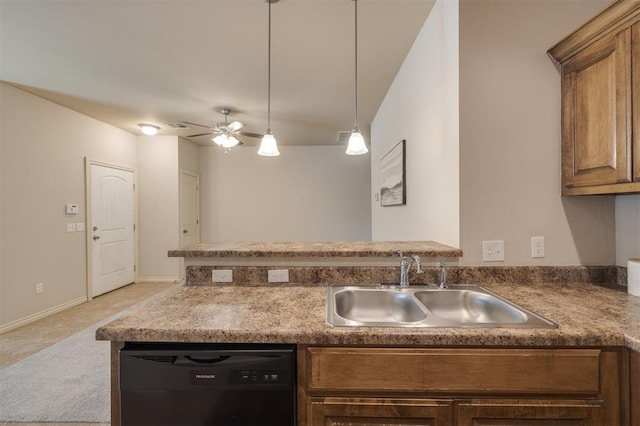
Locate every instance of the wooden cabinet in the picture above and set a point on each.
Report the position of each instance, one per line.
(634, 375)
(600, 82)
(386, 385)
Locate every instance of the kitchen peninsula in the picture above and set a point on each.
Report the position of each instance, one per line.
(579, 371)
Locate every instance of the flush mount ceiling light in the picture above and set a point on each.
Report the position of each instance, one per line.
(268, 145)
(149, 129)
(356, 144)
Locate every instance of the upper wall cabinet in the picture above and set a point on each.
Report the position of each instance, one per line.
(601, 103)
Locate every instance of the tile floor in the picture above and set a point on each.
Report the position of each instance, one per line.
(31, 338)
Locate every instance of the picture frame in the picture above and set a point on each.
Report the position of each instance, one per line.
(393, 188)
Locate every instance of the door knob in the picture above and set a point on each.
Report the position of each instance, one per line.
(184, 231)
(96, 237)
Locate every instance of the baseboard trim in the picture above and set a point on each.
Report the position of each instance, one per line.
(158, 280)
(42, 314)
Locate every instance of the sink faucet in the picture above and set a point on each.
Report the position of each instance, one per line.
(405, 267)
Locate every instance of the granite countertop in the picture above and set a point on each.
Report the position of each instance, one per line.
(317, 249)
(587, 316)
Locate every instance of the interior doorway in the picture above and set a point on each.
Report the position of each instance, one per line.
(189, 208)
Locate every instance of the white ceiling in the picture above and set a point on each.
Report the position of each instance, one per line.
(126, 62)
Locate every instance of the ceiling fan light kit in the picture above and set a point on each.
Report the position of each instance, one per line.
(149, 129)
(356, 145)
(268, 145)
(226, 141)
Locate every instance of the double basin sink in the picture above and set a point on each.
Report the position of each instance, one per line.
(424, 306)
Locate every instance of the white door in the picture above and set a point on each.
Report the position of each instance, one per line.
(189, 209)
(112, 228)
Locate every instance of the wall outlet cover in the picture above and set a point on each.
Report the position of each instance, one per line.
(537, 247)
(222, 276)
(278, 275)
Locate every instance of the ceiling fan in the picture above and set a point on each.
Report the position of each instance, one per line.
(226, 134)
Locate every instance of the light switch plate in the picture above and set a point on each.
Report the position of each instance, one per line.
(71, 227)
(493, 251)
(80, 226)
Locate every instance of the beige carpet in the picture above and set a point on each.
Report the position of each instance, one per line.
(66, 382)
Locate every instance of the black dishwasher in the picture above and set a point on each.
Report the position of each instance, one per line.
(207, 384)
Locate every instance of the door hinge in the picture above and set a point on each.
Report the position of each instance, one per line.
(134, 186)
(198, 222)
(135, 268)
(134, 226)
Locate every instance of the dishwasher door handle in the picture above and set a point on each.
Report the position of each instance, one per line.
(223, 360)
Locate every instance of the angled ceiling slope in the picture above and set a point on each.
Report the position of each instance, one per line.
(130, 62)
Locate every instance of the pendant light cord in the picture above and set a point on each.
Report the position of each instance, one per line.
(356, 65)
(269, 74)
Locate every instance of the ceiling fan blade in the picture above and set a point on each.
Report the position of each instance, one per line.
(196, 124)
(234, 126)
(251, 135)
(200, 134)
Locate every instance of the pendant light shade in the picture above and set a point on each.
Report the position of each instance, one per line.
(268, 145)
(356, 145)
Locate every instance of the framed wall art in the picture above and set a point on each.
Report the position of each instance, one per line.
(393, 188)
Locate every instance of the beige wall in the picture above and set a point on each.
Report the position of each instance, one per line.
(510, 137)
(627, 228)
(312, 193)
(422, 107)
(159, 207)
(188, 154)
(43, 150)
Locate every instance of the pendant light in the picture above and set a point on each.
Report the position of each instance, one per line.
(356, 144)
(268, 145)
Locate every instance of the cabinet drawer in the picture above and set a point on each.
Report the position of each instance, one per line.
(454, 371)
(379, 411)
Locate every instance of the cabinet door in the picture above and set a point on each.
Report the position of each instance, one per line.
(596, 115)
(527, 413)
(634, 374)
(635, 61)
(376, 411)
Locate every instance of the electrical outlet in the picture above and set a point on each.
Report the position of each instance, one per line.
(493, 251)
(39, 288)
(71, 227)
(537, 247)
(222, 276)
(278, 275)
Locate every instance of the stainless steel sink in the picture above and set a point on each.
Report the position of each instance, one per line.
(423, 306)
(373, 306)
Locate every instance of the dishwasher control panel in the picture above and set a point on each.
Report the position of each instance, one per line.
(260, 376)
